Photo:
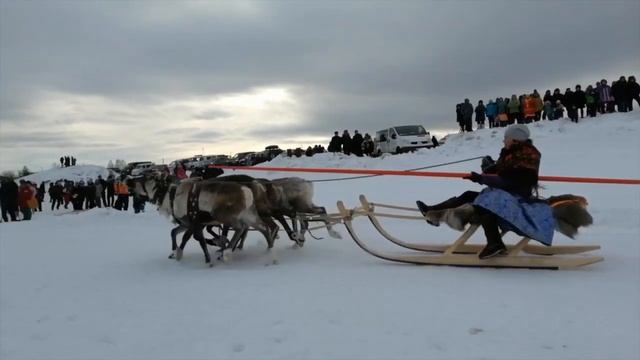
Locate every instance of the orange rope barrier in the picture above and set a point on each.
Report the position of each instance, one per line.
(572, 179)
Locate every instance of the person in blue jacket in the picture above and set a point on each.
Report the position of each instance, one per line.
(492, 112)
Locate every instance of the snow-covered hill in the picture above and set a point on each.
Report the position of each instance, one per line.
(98, 284)
(73, 173)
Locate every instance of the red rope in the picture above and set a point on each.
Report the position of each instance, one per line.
(573, 179)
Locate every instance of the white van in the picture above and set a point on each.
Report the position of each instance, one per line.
(399, 139)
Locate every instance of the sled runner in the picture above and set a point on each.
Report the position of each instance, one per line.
(459, 253)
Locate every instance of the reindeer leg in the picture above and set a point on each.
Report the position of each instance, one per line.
(197, 234)
(174, 233)
(240, 243)
(292, 235)
(185, 238)
(239, 231)
(271, 230)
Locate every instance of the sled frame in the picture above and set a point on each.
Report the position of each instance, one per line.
(451, 257)
(369, 210)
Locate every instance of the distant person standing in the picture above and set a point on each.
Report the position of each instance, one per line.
(434, 141)
(9, 199)
(529, 108)
(634, 92)
(480, 113)
(122, 191)
(538, 103)
(356, 143)
(467, 114)
(591, 100)
(606, 97)
(111, 190)
(491, 112)
(580, 100)
(367, 145)
(346, 142)
(335, 145)
(61, 161)
(40, 195)
(26, 199)
(620, 91)
(459, 119)
(570, 105)
(514, 109)
(73, 161)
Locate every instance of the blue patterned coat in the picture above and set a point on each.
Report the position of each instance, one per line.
(530, 218)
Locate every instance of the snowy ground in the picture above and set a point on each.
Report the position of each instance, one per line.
(98, 284)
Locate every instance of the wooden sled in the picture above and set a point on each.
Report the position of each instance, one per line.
(368, 209)
(451, 255)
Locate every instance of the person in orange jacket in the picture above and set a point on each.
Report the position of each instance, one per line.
(122, 192)
(530, 109)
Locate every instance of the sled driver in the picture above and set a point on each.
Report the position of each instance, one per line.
(510, 200)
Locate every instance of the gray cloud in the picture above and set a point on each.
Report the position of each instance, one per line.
(354, 65)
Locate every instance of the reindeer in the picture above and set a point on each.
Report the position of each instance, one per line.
(195, 204)
(297, 204)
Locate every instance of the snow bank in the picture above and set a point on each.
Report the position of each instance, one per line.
(74, 173)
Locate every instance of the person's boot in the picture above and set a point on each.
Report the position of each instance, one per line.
(495, 246)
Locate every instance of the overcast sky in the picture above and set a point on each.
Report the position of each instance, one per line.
(154, 80)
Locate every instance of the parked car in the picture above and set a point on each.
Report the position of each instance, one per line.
(272, 151)
(398, 139)
(135, 168)
(204, 161)
(243, 158)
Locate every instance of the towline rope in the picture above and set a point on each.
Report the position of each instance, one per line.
(378, 172)
(366, 176)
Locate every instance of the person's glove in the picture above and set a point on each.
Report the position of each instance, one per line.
(475, 177)
(488, 164)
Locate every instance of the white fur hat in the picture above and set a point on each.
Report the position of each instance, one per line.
(518, 132)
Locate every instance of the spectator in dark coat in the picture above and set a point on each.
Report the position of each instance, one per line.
(620, 91)
(557, 95)
(40, 195)
(111, 191)
(467, 113)
(346, 142)
(61, 161)
(480, 111)
(634, 92)
(547, 96)
(356, 143)
(570, 105)
(434, 141)
(580, 100)
(459, 118)
(55, 192)
(335, 145)
(73, 161)
(9, 199)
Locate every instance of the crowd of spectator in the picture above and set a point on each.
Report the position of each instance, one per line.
(599, 98)
(19, 202)
(358, 145)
